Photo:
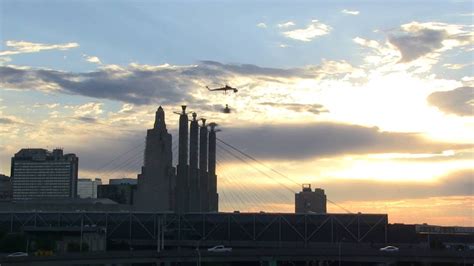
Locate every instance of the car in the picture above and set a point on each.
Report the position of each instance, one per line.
(18, 254)
(219, 248)
(389, 249)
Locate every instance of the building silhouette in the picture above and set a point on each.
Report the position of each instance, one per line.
(121, 193)
(39, 173)
(192, 185)
(156, 182)
(5, 188)
(119, 181)
(87, 188)
(308, 201)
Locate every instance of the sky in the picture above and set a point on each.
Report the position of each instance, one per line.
(370, 100)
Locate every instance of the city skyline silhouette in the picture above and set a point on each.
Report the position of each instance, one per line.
(371, 102)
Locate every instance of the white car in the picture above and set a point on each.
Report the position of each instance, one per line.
(18, 254)
(389, 249)
(219, 248)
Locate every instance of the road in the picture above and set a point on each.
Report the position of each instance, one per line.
(353, 254)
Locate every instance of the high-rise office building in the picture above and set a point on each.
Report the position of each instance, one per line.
(308, 201)
(39, 173)
(87, 188)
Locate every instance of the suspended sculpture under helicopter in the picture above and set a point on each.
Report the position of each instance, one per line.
(226, 109)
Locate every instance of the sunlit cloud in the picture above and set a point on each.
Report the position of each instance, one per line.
(286, 24)
(456, 66)
(4, 60)
(21, 47)
(46, 105)
(350, 12)
(92, 59)
(262, 25)
(313, 30)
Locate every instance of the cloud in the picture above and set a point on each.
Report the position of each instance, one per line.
(86, 119)
(6, 120)
(297, 107)
(459, 101)
(262, 25)
(21, 47)
(350, 12)
(456, 66)
(46, 105)
(4, 60)
(415, 39)
(10, 120)
(311, 140)
(92, 108)
(286, 24)
(163, 84)
(92, 59)
(307, 34)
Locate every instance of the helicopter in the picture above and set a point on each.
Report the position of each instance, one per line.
(224, 89)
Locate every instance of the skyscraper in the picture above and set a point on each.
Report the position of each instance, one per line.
(156, 181)
(38, 173)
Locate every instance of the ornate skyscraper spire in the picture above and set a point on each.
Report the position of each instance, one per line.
(160, 119)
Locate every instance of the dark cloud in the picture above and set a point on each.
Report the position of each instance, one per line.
(143, 84)
(300, 141)
(5, 120)
(86, 119)
(297, 107)
(459, 101)
(282, 142)
(137, 86)
(212, 67)
(416, 44)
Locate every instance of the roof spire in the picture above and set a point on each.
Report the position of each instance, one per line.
(160, 119)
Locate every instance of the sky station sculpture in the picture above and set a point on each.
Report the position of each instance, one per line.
(186, 188)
